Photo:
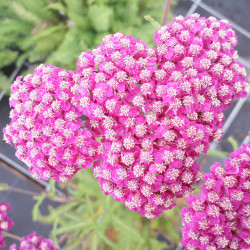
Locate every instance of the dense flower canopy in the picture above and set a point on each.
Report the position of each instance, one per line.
(45, 126)
(152, 110)
(156, 110)
(219, 217)
(5, 222)
(34, 242)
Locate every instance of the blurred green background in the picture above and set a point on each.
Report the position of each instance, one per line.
(57, 31)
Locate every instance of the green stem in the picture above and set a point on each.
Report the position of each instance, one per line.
(47, 195)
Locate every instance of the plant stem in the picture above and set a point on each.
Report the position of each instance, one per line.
(165, 18)
(20, 190)
(57, 198)
(10, 235)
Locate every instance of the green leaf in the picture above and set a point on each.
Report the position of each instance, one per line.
(4, 187)
(233, 142)
(10, 27)
(47, 41)
(68, 51)
(100, 17)
(23, 13)
(22, 58)
(75, 226)
(127, 228)
(58, 212)
(107, 241)
(7, 57)
(58, 7)
(49, 31)
(38, 8)
(52, 191)
(74, 244)
(53, 233)
(94, 242)
(221, 154)
(30, 70)
(75, 6)
(5, 84)
(39, 200)
(152, 21)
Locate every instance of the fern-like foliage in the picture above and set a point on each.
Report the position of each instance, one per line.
(4, 84)
(92, 220)
(57, 31)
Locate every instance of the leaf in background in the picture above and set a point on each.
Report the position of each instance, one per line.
(100, 17)
(35, 210)
(23, 13)
(47, 41)
(5, 84)
(58, 7)
(145, 33)
(36, 57)
(4, 187)
(10, 26)
(98, 39)
(52, 191)
(49, 31)
(152, 21)
(22, 58)
(233, 142)
(75, 6)
(57, 212)
(68, 51)
(119, 26)
(94, 242)
(125, 227)
(126, 12)
(53, 233)
(214, 153)
(38, 8)
(72, 227)
(7, 57)
(30, 70)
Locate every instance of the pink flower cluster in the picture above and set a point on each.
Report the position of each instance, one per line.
(157, 110)
(196, 55)
(45, 126)
(219, 218)
(5, 223)
(33, 242)
(153, 110)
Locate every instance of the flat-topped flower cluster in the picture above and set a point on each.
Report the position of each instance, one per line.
(152, 110)
(158, 110)
(5, 222)
(34, 242)
(219, 217)
(45, 126)
(30, 242)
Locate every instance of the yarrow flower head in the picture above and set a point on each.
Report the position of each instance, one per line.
(156, 110)
(34, 242)
(153, 110)
(5, 223)
(45, 126)
(218, 218)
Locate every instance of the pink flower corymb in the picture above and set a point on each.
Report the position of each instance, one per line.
(219, 217)
(34, 242)
(156, 110)
(5, 222)
(152, 110)
(45, 126)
